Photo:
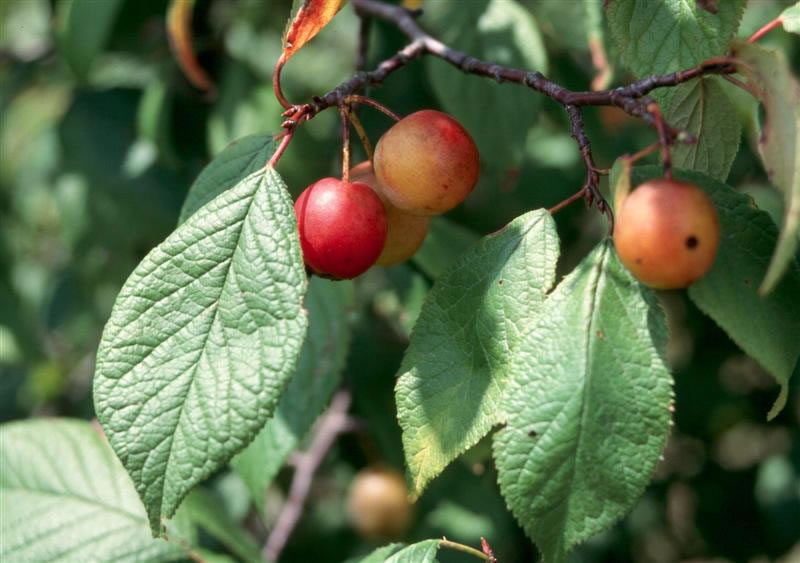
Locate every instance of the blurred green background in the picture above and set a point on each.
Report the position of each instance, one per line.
(101, 137)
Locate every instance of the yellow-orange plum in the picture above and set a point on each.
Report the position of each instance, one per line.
(666, 233)
(405, 232)
(427, 163)
(378, 503)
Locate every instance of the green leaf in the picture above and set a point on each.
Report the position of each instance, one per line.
(669, 35)
(702, 108)
(790, 18)
(317, 376)
(239, 159)
(453, 375)
(496, 30)
(421, 552)
(203, 509)
(202, 340)
(591, 398)
(768, 72)
(67, 498)
(446, 241)
(766, 328)
(84, 28)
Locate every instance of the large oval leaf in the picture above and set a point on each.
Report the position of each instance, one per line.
(668, 35)
(317, 376)
(591, 395)
(702, 108)
(765, 327)
(453, 375)
(202, 340)
(67, 498)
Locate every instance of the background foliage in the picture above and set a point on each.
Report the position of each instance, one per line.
(101, 137)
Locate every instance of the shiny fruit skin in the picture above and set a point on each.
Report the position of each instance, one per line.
(342, 227)
(405, 232)
(667, 233)
(378, 504)
(427, 163)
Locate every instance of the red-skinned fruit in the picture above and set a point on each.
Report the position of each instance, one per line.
(342, 227)
(378, 503)
(405, 232)
(427, 163)
(667, 233)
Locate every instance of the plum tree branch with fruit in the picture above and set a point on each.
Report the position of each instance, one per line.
(632, 98)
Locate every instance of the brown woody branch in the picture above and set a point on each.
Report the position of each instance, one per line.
(631, 98)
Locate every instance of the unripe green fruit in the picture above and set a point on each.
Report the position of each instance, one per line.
(405, 232)
(427, 163)
(666, 233)
(378, 504)
(342, 227)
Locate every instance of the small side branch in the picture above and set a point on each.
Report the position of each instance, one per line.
(333, 422)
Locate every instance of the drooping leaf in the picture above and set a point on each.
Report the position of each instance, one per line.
(702, 108)
(84, 28)
(202, 508)
(317, 376)
(453, 376)
(670, 35)
(501, 31)
(446, 241)
(202, 340)
(591, 395)
(769, 74)
(239, 159)
(765, 327)
(309, 19)
(67, 498)
(790, 18)
(179, 31)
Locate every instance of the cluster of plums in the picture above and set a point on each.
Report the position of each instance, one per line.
(424, 165)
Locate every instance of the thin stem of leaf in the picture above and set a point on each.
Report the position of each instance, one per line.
(345, 144)
(444, 542)
(362, 134)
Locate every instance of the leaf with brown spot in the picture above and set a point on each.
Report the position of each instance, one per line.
(309, 20)
(179, 31)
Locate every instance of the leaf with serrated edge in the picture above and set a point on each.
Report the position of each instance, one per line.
(317, 376)
(453, 375)
(239, 159)
(590, 395)
(669, 35)
(702, 108)
(65, 497)
(779, 143)
(201, 341)
(766, 328)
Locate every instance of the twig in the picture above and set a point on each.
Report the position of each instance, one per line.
(761, 32)
(332, 423)
(364, 26)
(444, 542)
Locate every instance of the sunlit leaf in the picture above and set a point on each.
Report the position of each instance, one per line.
(309, 19)
(453, 376)
(591, 393)
(202, 340)
(67, 498)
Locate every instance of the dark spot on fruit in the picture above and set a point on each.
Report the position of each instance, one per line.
(638, 260)
(445, 187)
(692, 242)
